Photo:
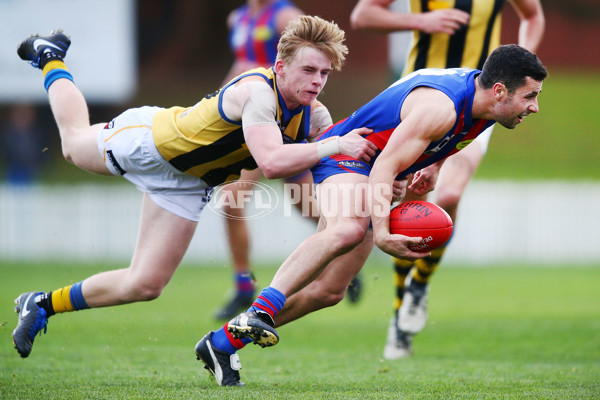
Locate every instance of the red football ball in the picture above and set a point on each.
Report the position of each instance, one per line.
(421, 219)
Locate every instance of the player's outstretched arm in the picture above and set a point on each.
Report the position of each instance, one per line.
(354, 145)
(375, 16)
(255, 101)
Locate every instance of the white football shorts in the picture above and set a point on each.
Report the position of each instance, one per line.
(128, 149)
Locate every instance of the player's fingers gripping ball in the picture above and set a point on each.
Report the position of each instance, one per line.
(421, 219)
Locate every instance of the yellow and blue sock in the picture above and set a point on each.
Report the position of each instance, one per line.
(53, 70)
(62, 300)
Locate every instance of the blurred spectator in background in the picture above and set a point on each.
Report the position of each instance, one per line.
(21, 145)
(446, 34)
(254, 31)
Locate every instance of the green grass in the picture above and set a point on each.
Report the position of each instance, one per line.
(494, 333)
(559, 142)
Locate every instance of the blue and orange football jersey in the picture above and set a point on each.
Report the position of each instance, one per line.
(255, 38)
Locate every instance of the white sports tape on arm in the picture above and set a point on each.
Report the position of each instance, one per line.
(260, 106)
(328, 147)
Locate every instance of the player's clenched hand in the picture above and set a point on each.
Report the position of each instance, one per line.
(443, 21)
(424, 179)
(397, 246)
(354, 145)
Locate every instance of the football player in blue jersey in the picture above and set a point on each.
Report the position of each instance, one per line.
(444, 34)
(416, 124)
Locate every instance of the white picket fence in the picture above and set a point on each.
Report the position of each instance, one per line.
(540, 223)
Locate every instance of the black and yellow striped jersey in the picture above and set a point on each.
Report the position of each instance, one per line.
(203, 142)
(467, 47)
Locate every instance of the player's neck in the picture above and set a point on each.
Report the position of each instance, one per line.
(483, 103)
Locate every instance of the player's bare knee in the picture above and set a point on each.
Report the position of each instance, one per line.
(331, 298)
(146, 291)
(67, 154)
(346, 236)
(149, 294)
(448, 197)
(326, 295)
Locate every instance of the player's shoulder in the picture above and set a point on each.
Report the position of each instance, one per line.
(235, 15)
(286, 14)
(315, 104)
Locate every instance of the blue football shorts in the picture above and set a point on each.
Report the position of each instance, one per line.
(338, 164)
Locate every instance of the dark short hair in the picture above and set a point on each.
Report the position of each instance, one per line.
(511, 64)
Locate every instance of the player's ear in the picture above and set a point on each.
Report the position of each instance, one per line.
(279, 70)
(499, 90)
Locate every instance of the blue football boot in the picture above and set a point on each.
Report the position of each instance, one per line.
(39, 50)
(32, 319)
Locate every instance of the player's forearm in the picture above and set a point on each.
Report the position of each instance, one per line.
(289, 160)
(379, 19)
(531, 32)
(380, 183)
(532, 23)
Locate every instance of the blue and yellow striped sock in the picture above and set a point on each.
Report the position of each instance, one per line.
(62, 300)
(53, 70)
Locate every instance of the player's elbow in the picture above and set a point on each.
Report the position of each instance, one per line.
(271, 169)
(357, 20)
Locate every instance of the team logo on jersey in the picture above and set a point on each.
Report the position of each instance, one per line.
(351, 164)
(463, 144)
(256, 199)
(439, 146)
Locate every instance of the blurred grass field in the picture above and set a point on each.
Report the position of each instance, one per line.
(560, 142)
(505, 332)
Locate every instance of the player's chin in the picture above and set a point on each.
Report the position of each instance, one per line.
(308, 97)
(510, 124)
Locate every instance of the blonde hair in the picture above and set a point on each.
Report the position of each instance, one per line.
(315, 32)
